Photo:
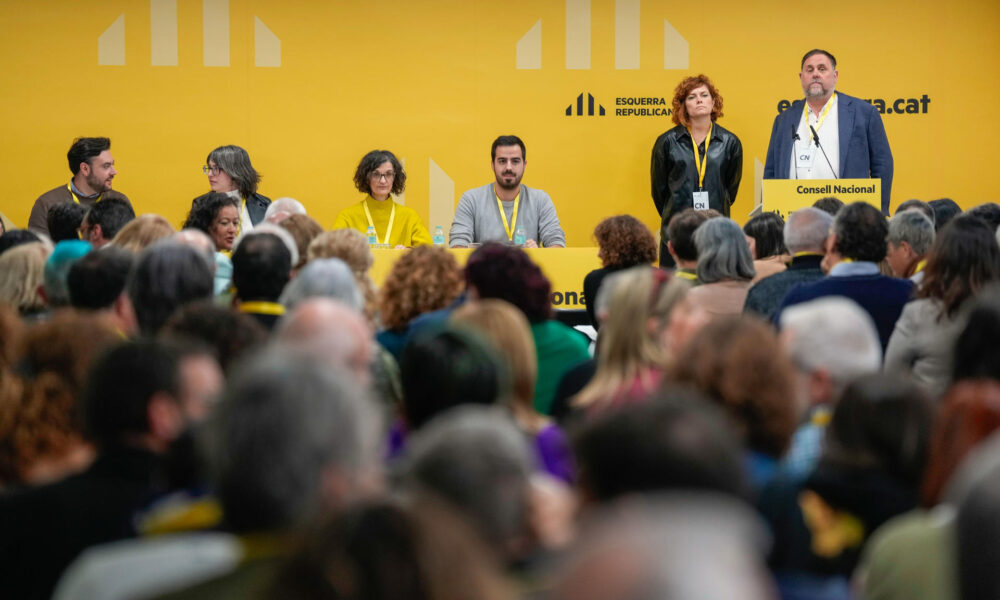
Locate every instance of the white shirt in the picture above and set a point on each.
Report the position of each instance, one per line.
(246, 225)
(829, 139)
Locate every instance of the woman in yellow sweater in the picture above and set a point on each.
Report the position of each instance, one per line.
(380, 174)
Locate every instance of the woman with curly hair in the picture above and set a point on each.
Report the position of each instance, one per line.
(41, 436)
(378, 175)
(422, 280)
(218, 215)
(351, 247)
(697, 164)
(623, 242)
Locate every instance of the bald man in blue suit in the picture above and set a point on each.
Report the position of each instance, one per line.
(862, 148)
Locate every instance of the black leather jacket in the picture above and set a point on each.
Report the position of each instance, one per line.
(675, 176)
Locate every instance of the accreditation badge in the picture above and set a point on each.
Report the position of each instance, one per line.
(805, 154)
(700, 201)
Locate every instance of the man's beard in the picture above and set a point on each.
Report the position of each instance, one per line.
(815, 94)
(97, 184)
(512, 186)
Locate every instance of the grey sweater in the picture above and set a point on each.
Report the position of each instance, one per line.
(477, 218)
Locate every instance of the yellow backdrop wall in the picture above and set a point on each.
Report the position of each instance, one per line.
(308, 87)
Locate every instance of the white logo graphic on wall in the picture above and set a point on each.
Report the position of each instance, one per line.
(163, 37)
(626, 39)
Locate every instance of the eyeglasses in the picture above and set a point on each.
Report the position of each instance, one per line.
(213, 170)
(388, 176)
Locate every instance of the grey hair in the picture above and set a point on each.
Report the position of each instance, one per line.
(283, 423)
(275, 230)
(477, 459)
(236, 163)
(723, 251)
(833, 334)
(682, 546)
(282, 208)
(913, 227)
(807, 229)
(325, 277)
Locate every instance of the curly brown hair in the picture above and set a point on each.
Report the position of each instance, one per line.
(685, 87)
(624, 241)
(38, 412)
(370, 163)
(424, 279)
(350, 246)
(738, 362)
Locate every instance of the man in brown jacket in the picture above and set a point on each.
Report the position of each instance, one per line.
(93, 169)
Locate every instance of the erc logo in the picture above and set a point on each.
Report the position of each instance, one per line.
(590, 107)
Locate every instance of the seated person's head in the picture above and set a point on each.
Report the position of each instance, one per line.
(723, 252)
(860, 231)
(168, 275)
(806, 230)
(98, 279)
(676, 441)
(64, 220)
(500, 271)
(767, 231)
(104, 220)
(945, 209)
(57, 267)
(623, 241)
(262, 266)
(139, 233)
(443, 368)
(479, 462)
(680, 232)
(829, 205)
(914, 204)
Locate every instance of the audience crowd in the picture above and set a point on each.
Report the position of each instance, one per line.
(801, 408)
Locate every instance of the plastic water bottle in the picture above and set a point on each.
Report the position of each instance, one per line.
(519, 237)
(438, 236)
(372, 236)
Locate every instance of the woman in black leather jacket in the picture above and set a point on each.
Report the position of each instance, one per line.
(230, 172)
(679, 179)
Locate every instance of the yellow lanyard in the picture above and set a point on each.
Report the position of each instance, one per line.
(508, 227)
(262, 308)
(77, 200)
(920, 266)
(239, 223)
(822, 115)
(698, 162)
(686, 275)
(392, 217)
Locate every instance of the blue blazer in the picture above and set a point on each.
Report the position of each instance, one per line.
(864, 147)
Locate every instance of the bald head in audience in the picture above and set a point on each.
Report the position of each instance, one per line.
(332, 330)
